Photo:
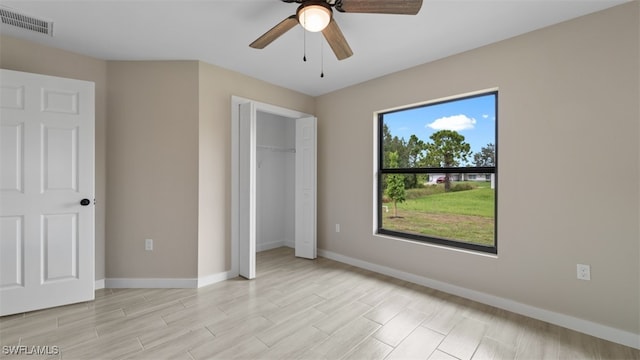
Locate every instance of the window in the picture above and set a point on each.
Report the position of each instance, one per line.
(437, 172)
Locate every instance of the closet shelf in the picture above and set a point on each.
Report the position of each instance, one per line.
(276, 148)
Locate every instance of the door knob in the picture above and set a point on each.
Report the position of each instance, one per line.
(85, 202)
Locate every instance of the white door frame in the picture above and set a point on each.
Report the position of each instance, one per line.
(236, 101)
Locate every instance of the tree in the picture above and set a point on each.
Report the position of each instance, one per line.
(410, 153)
(398, 145)
(486, 156)
(447, 149)
(415, 153)
(395, 184)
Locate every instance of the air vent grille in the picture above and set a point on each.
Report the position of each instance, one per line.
(14, 18)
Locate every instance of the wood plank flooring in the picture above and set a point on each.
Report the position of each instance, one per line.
(295, 309)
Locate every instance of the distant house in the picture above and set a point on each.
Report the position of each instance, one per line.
(438, 178)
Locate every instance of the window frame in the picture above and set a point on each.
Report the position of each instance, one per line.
(381, 171)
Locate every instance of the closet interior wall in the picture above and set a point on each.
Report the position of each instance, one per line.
(275, 200)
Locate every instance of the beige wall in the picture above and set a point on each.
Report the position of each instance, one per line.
(152, 147)
(29, 57)
(568, 152)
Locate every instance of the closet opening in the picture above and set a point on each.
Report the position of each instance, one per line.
(273, 182)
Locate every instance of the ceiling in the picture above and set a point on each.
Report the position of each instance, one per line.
(219, 32)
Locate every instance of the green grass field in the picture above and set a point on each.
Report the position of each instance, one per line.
(466, 216)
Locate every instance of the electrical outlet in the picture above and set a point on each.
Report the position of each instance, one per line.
(584, 272)
(148, 244)
(337, 228)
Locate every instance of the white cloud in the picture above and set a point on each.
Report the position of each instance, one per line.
(455, 122)
(485, 116)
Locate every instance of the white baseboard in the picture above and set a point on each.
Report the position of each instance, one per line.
(275, 245)
(99, 284)
(151, 283)
(584, 326)
(215, 278)
(137, 283)
(268, 246)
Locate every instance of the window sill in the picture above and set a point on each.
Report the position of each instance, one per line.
(437, 246)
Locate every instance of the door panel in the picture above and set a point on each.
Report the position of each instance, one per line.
(60, 158)
(305, 222)
(59, 101)
(47, 237)
(11, 272)
(12, 96)
(60, 245)
(12, 157)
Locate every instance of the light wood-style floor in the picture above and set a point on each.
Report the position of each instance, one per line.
(296, 309)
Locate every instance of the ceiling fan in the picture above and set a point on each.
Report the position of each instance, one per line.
(317, 15)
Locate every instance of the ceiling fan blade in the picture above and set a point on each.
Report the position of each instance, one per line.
(336, 40)
(402, 7)
(275, 32)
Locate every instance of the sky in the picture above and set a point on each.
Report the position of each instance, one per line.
(474, 118)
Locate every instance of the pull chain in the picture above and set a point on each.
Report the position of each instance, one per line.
(321, 58)
(304, 39)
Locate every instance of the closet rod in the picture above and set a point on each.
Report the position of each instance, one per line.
(276, 148)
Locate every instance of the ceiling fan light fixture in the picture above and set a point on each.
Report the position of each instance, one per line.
(315, 16)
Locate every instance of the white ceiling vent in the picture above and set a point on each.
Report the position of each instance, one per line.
(27, 22)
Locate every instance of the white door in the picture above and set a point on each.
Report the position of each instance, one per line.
(248, 190)
(305, 196)
(46, 191)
